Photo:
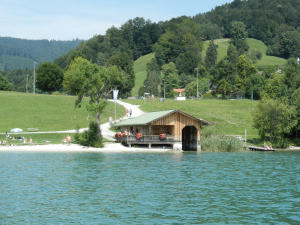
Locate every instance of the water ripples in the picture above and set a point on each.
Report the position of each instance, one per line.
(190, 188)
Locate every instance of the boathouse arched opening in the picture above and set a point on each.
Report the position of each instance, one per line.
(189, 138)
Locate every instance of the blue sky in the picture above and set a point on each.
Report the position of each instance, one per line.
(71, 19)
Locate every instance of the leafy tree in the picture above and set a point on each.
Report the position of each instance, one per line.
(275, 87)
(152, 80)
(182, 35)
(171, 79)
(90, 137)
(49, 77)
(86, 79)
(5, 85)
(292, 72)
(295, 100)
(286, 43)
(245, 70)
(191, 88)
(232, 55)
(211, 31)
(187, 62)
(239, 35)
(125, 63)
(211, 54)
(255, 86)
(225, 87)
(274, 121)
(224, 74)
(18, 78)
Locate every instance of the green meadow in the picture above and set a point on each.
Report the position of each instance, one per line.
(46, 112)
(229, 117)
(140, 71)
(254, 45)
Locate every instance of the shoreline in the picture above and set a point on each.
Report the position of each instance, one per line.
(64, 148)
(108, 148)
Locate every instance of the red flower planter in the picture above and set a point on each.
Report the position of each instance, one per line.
(162, 136)
(139, 135)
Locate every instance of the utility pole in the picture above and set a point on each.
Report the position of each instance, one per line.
(197, 84)
(34, 77)
(115, 97)
(164, 88)
(27, 83)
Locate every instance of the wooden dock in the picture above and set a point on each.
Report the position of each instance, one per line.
(261, 149)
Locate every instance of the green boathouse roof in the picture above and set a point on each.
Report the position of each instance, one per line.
(143, 119)
(149, 117)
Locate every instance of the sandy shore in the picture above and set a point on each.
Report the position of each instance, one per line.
(108, 148)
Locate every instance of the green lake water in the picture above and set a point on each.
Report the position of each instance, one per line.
(175, 188)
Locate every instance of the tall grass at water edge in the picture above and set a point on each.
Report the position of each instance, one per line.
(212, 142)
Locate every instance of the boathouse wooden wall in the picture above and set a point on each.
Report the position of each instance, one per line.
(179, 121)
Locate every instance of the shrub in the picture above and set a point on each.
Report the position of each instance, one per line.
(208, 96)
(90, 137)
(56, 93)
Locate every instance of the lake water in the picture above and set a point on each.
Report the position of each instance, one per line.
(189, 188)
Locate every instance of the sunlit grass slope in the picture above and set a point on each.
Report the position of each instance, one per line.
(140, 71)
(254, 45)
(45, 112)
(230, 117)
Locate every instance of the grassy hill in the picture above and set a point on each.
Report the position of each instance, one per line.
(230, 117)
(140, 65)
(140, 71)
(254, 45)
(45, 112)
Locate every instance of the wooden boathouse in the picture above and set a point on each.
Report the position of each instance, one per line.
(173, 128)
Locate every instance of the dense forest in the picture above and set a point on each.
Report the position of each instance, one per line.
(178, 46)
(18, 53)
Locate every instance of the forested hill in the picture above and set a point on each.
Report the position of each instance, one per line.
(18, 53)
(275, 22)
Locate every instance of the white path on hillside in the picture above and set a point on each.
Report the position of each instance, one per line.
(106, 132)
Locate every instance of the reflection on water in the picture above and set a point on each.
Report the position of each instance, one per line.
(179, 188)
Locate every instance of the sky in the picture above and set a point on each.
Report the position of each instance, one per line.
(82, 19)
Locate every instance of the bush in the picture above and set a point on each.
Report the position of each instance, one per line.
(56, 93)
(208, 96)
(90, 137)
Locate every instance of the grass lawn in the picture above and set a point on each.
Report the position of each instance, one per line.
(230, 117)
(45, 112)
(222, 48)
(140, 71)
(39, 138)
(256, 45)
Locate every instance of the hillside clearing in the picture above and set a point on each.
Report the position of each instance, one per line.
(140, 71)
(254, 45)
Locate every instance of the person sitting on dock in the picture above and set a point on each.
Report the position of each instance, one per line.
(267, 147)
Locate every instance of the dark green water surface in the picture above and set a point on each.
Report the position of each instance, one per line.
(189, 188)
